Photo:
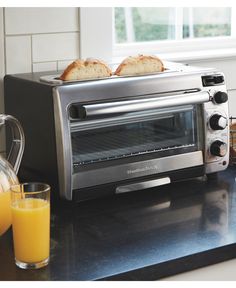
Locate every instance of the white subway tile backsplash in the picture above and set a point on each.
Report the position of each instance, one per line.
(46, 66)
(35, 40)
(63, 64)
(2, 70)
(53, 47)
(18, 54)
(41, 20)
(2, 131)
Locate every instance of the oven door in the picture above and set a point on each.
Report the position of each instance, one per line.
(112, 145)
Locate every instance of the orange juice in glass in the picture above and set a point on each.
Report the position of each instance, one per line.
(30, 206)
(5, 211)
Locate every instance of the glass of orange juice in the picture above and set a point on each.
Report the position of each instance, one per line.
(30, 206)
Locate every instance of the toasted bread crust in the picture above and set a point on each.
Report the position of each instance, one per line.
(88, 69)
(141, 64)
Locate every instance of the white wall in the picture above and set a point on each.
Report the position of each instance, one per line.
(2, 72)
(36, 39)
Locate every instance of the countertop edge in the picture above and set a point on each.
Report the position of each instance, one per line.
(178, 265)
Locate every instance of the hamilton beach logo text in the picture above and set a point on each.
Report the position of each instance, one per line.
(139, 170)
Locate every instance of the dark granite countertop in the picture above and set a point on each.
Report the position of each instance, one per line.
(145, 235)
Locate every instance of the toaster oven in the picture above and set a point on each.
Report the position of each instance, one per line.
(94, 138)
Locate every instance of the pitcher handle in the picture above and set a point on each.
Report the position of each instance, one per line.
(18, 141)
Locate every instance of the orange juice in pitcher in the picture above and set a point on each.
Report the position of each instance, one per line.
(8, 170)
(5, 211)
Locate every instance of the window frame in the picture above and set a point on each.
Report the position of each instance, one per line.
(100, 23)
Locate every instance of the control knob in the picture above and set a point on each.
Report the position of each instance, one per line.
(218, 148)
(220, 97)
(218, 122)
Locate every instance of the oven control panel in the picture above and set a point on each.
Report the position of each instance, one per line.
(220, 97)
(218, 148)
(218, 122)
(217, 130)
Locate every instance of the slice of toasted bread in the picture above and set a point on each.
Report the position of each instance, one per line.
(88, 69)
(138, 65)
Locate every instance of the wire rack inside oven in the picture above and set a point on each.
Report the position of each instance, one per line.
(112, 145)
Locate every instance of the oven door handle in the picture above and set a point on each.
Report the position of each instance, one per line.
(121, 107)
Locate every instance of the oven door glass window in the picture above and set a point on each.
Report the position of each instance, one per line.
(164, 132)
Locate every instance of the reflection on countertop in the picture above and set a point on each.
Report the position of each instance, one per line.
(142, 235)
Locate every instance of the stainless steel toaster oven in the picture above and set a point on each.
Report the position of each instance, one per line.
(121, 134)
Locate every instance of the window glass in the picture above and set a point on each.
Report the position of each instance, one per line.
(144, 24)
(206, 22)
(138, 24)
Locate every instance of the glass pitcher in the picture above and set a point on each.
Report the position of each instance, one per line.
(9, 169)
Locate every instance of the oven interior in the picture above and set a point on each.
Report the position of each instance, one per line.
(164, 132)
